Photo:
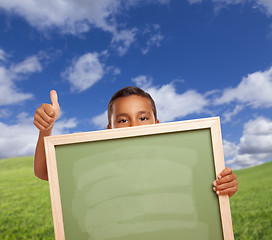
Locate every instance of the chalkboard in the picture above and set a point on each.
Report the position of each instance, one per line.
(148, 182)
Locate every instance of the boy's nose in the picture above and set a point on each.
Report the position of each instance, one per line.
(133, 123)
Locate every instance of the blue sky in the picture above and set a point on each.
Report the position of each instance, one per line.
(197, 58)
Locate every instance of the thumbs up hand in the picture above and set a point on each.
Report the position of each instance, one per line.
(47, 114)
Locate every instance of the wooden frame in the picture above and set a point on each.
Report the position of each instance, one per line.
(209, 123)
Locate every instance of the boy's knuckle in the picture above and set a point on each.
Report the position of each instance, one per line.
(226, 179)
(38, 110)
(229, 178)
(38, 126)
(229, 170)
(50, 112)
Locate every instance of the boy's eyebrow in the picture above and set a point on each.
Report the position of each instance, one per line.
(121, 115)
(143, 112)
(126, 115)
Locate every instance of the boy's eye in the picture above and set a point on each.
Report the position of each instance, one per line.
(143, 118)
(123, 121)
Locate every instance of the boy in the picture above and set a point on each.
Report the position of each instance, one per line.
(128, 107)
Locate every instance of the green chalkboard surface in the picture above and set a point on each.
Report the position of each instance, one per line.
(147, 187)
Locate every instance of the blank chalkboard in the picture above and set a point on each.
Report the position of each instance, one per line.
(149, 182)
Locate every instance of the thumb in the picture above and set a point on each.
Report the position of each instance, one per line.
(54, 98)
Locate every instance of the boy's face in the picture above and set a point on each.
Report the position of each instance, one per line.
(132, 111)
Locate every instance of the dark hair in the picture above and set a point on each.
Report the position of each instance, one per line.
(128, 91)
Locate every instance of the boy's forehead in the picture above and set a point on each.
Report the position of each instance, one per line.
(131, 102)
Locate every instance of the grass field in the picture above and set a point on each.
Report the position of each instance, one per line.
(26, 210)
(251, 207)
(24, 202)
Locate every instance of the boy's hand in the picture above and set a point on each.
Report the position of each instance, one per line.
(47, 114)
(226, 183)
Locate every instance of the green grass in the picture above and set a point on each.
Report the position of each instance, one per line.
(24, 202)
(25, 208)
(251, 206)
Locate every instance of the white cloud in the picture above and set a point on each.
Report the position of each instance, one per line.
(263, 5)
(194, 1)
(84, 72)
(113, 70)
(101, 120)
(246, 160)
(122, 40)
(116, 71)
(143, 81)
(63, 126)
(230, 1)
(255, 145)
(3, 55)
(230, 149)
(5, 113)
(79, 16)
(154, 35)
(220, 3)
(266, 5)
(20, 139)
(257, 136)
(17, 140)
(170, 104)
(227, 116)
(254, 90)
(9, 93)
(74, 16)
(29, 65)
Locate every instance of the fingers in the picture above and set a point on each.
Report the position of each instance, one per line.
(225, 172)
(226, 183)
(225, 176)
(41, 127)
(226, 188)
(226, 179)
(229, 191)
(46, 111)
(44, 117)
